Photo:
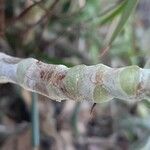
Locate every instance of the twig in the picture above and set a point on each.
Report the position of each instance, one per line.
(97, 83)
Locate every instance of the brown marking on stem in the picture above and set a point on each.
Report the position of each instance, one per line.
(46, 72)
(58, 81)
(100, 73)
(41, 74)
(139, 89)
(64, 90)
(99, 78)
(49, 75)
(58, 77)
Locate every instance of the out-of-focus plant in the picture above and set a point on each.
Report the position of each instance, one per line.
(74, 32)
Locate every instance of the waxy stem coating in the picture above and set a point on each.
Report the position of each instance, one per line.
(97, 83)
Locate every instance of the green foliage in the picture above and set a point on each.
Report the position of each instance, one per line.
(126, 12)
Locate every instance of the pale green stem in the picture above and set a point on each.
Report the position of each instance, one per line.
(97, 83)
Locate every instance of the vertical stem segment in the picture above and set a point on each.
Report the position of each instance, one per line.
(35, 122)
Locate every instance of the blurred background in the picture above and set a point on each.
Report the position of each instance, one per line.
(73, 32)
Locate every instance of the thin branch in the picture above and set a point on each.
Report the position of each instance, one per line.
(97, 83)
